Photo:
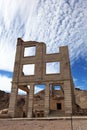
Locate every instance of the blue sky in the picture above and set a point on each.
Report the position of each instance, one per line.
(55, 22)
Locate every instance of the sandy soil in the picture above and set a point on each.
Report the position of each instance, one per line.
(33, 125)
(6, 124)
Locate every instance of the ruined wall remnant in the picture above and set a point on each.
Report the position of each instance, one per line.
(33, 69)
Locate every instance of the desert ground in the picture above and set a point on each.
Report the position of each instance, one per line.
(25, 124)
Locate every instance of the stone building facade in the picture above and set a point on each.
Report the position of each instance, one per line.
(33, 69)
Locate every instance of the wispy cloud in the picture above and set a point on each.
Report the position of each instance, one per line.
(56, 22)
(39, 88)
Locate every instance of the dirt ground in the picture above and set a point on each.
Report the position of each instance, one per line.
(33, 125)
(6, 124)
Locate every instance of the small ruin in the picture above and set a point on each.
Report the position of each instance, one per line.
(34, 69)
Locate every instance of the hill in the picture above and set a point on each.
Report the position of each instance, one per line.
(81, 98)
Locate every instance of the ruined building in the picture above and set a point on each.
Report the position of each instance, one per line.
(37, 73)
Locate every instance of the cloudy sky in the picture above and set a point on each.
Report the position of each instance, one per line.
(55, 22)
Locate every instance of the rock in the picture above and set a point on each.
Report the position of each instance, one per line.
(4, 111)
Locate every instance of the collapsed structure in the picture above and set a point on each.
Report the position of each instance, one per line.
(31, 70)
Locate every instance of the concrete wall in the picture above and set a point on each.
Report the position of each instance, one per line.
(53, 104)
(40, 77)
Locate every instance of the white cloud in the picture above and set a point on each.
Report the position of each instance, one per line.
(52, 67)
(21, 92)
(29, 69)
(38, 88)
(60, 23)
(56, 22)
(7, 56)
(29, 51)
(5, 83)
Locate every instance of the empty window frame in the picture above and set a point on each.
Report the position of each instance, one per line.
(29, 51)
(29, 69)
(52, 67)
(57, 87)
(39, 88)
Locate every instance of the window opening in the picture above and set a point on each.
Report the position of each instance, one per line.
(52, 67)
(29, 51)
(29, 69)
(57, 88)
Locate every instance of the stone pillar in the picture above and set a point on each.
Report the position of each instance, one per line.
(30, 103)
(26, 103)
(13, 99)
(68, 97)
(47, 99)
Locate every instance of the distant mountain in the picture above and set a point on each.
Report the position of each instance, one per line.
(4, 100)
(81, 98)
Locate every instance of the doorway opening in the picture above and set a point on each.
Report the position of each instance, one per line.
(59, 106)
